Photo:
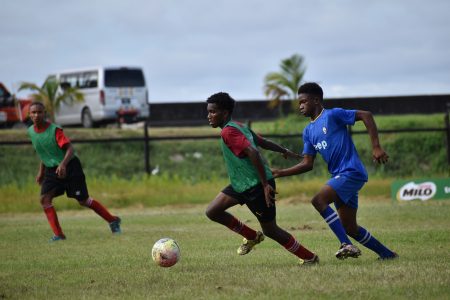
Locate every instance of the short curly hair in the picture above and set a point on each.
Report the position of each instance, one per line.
(223, 101)
(311, 88)
(37, 103)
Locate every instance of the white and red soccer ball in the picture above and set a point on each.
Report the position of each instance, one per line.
(166, 252)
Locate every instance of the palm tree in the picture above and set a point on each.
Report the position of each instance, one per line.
(49, 95)
(284, 84)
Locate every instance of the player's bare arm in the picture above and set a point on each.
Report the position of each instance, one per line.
(272, 146)
(40, 175)
(304, 166)
(255, 158)
(378, 154)
(61, 171)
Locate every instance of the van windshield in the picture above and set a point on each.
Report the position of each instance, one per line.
(124, 78)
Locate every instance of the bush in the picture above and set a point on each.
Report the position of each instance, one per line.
(411, 154)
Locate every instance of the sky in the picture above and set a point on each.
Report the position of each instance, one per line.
(193, 48)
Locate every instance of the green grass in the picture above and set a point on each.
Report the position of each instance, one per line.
(144, 192)
(93, 264)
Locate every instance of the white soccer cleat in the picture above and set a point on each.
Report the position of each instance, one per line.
(348, 250)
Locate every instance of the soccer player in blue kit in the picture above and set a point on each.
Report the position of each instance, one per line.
(327, 135)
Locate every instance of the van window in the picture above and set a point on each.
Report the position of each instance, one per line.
(69, 80)
(88, 80)
(124, 78)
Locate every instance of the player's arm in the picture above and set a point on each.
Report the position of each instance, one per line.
(272, 146)
(304, 166)
(378, 154)
(40, 175)
(65, 144)
(255, 157)
(62, 168)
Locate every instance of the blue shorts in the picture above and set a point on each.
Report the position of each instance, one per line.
(347, 189)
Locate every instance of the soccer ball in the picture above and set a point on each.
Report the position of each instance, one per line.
(166, 252)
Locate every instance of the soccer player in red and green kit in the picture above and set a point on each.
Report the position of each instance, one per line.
(60, 171)
(252, 182)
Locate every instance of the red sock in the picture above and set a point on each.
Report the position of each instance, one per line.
(297, 249)
(52, 218)
(239, 227)
(101, 210)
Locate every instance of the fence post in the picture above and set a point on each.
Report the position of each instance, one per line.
(447, 129)
(146, 148)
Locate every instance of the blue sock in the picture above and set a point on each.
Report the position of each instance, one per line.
(367, 240)
(335, 224)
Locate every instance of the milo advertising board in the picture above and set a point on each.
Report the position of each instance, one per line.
(421, 189)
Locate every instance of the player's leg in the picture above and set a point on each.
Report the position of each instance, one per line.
(288, 241)
(216, 211)
(99, 209)
(52, 217)
(52, 187)
(76, 188)
(360, 234)
(321, 203)
(267, 218)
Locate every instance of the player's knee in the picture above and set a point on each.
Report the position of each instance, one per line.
(211, 213)
(46, 200)
(83, 202)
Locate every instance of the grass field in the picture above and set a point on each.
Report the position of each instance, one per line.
(93, 264)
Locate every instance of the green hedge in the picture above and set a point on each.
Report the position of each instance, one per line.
(411, 154)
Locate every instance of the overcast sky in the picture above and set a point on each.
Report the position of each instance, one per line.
(191, 49)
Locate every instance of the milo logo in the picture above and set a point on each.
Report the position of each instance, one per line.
(422, 191)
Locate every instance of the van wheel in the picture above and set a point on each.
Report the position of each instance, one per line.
(86, 118)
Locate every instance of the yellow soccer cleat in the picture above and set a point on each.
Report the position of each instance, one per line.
(248, 245)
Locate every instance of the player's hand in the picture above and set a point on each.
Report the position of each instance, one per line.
(291, 154)
(275, 173)
(61, 171)
(379, 155)
(40, 178)
(269, 194)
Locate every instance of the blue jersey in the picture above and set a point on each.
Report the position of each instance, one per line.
(328, 135)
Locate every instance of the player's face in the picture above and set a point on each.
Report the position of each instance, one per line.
(216, 116)
(306, 104)
(37, 114)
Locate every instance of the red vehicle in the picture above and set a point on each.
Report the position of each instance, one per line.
(13, 111)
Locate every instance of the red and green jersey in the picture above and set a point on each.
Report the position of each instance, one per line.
(243, 174)
(49, 144)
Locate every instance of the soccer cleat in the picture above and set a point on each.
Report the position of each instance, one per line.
(394, 256)
(57, 238)
(348, 250)
(312, 261)
(115, 226)
(248, 245)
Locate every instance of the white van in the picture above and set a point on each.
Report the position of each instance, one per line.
(111, 94)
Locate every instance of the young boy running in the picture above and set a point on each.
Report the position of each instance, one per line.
(327, 135)
(252, 182)
(60, 171)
